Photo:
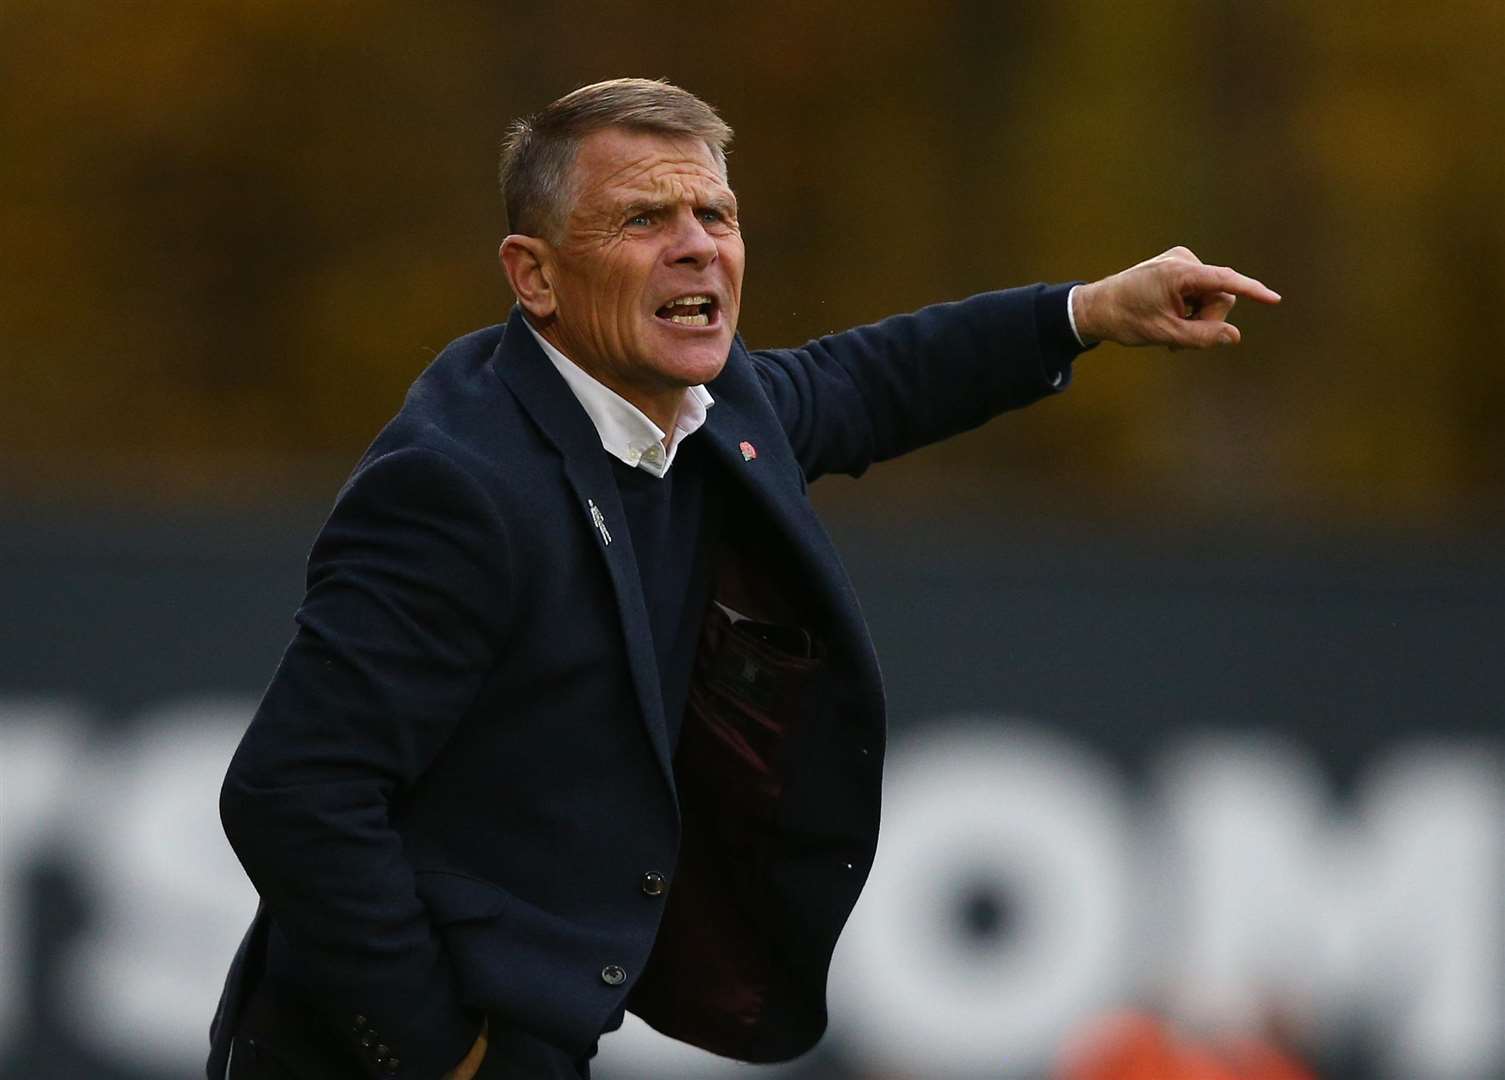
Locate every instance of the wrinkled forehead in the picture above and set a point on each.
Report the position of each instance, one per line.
(617, 166)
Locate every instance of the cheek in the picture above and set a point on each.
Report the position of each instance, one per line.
(734, 256)
(613, 313)
(733, 250)
(625, 290)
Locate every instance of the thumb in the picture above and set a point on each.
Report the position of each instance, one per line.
(1203, 334)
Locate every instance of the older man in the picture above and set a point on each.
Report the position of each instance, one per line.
(581, 714)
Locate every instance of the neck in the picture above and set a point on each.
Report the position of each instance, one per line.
(659, 404)
(663, 413)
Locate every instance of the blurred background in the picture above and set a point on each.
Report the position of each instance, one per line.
(1196, 680)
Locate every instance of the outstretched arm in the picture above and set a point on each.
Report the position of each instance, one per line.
(1174, 300)
(868, 394)
(851, 399)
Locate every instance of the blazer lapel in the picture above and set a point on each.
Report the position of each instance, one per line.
(770, 472)
(553, 406)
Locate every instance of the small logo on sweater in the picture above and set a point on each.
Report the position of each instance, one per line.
(598, 519)
(749, 451)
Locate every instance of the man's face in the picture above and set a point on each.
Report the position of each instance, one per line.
(653, 224)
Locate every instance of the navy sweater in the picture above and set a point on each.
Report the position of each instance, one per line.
(674, 521)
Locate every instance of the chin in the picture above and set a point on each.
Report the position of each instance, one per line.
(698, 366)
(695, 362)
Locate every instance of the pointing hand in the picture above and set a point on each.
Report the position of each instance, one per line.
(1173, 299)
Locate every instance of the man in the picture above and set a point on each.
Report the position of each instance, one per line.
(581, 714)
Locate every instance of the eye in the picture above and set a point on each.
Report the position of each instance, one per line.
(639, 220)
(710, 216)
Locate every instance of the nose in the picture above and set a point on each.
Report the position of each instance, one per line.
(692, 245)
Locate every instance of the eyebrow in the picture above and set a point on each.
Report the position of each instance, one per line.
(634, 207)
(726, 204)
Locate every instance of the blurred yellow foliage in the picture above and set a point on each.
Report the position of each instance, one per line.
(236, 231)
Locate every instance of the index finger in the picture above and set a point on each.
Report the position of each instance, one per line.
(1211, 279)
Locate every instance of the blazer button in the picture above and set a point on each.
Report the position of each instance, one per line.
(612, 975)
(653, 883)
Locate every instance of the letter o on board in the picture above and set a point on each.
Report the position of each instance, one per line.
(993, 823)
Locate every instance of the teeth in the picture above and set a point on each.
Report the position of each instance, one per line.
(690, 320)
(690, 300)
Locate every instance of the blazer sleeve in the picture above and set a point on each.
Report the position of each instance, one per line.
(869, 394)
(407, 586)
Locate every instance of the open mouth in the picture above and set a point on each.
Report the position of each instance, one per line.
(692, 310)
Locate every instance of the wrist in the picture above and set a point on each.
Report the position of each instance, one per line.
(1083, 314)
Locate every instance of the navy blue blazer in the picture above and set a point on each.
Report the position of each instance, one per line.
(457, 797)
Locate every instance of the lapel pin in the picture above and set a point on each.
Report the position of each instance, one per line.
(749, 451)
(598, 519)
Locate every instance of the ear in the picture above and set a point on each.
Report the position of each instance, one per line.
(528, 263)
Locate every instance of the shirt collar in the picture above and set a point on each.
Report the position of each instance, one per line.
(626, 432)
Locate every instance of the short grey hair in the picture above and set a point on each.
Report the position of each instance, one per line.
(538, 154)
